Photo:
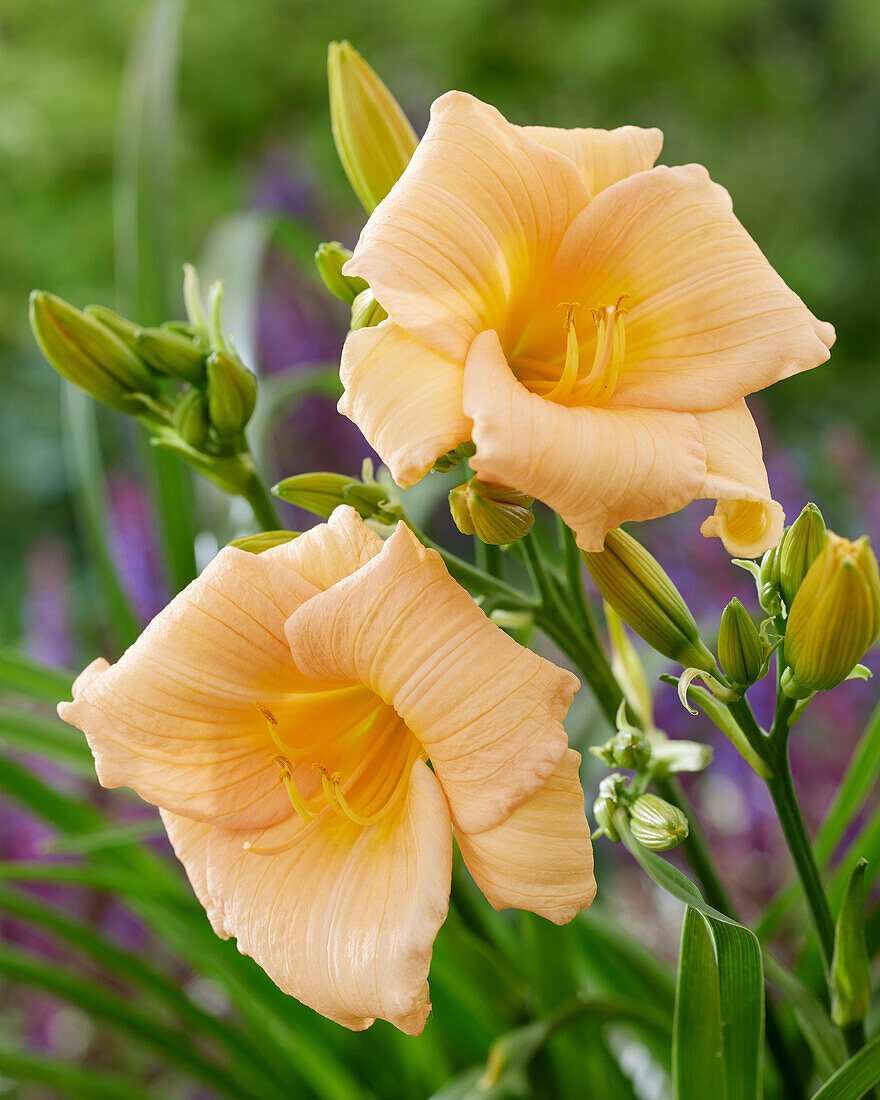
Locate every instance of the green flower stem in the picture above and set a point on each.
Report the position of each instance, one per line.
(263, 507)
(469, 576)
(745, 719)
(781, 787)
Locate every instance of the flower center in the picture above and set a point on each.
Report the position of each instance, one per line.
(577, 385)
(361, 774)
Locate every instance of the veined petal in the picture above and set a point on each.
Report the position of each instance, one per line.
(189, 839)
(597, 467)
(602, 156)
(345, 919)
(487, 711)
(747, 519)
(465, 234)
(405, 398)
(176, 718)
(540, 858)
(708, 319)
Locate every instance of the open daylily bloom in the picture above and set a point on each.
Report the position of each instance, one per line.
(592, 323)
(281, 712)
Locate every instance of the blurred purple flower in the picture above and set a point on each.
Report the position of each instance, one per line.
(46, 604)
(134, 546)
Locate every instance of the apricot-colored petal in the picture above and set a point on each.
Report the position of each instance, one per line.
(189, 839)
(329, 551)
(176, 717)
(709, 320)
(466, 231)
(487, 711)
(540, 858)
(747, 519)
(603, 156)
(597, 467)
(345, 919)
(405, 398)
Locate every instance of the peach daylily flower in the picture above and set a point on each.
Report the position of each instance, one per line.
(592, 323)
(281, 712)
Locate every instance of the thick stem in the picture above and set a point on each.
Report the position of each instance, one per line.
(262, 504)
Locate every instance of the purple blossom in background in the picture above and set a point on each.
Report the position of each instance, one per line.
(134, 546)
(46, 610)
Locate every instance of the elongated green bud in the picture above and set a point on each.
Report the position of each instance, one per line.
(834, 618)
(740, 649)
(264, 540)
(799, 548)
(126, 330)
(191, 419)
(172, 354)
(366, 311)
(657, 824)
(850, 965)
(319, 493)
(633, 582)
(232, 394)
(495, 514)
(329, 258)
(769, 590)
(373, 136)
(670, 757)
(88, 353)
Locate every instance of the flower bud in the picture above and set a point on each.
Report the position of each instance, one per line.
(798, 550)
(495, 514)
(740, 649)
(657, 824)
(232, 394)
(264, 540)
(670, 757)
(611, 793)
(329, 258)
(454, 458)
(629, 748)
(373, 136)
(769, 592)
(87, 353)
(126, 330)
(318, 493)
(632, 581)
(834, 618)
(366, 311)
(191, 419)
(172, 354)
(371, 501)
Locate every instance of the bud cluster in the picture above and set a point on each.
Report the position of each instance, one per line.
(320, 493)
(183, 380)
(494, 513)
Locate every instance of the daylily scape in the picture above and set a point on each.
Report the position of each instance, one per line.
(590, 322)
(312, 722)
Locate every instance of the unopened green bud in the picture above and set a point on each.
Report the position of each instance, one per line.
(191, 419)
(172, 354)
(371, 501)
(455, 457)
(366, 311)
(232, 394)
(612, 792)
(633, 582)
(628, 748)
(851, 964)
(834, 618)
(373, 136)
(740, 649)
(88, 353)
(126, 330)
(495, 514)
(657, 824)
(799, 548)
(329, 258)
(769, 591)
(319, 493)
(670, 757)
(264, 540)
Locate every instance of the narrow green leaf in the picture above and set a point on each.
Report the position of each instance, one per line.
(46, 737)
(20, 675)
(73, 1082)
(852, 1080)
(698, 1046)
(850, 966)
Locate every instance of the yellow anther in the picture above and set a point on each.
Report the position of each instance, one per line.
(562, 390)
(267, 714)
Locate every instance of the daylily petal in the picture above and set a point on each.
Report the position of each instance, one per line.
(329, 551)
(405, 398)
(345, 919)
(747, 519)
(488, 712)
(708, 319)
(540, 858)
(602, 156)
(189, 839)
(467, 229)
(597, 467)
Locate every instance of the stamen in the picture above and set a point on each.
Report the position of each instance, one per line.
(562, 390)
(600, 383)
(306, 808)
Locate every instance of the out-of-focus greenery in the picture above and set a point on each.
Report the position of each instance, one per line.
(781, 100)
